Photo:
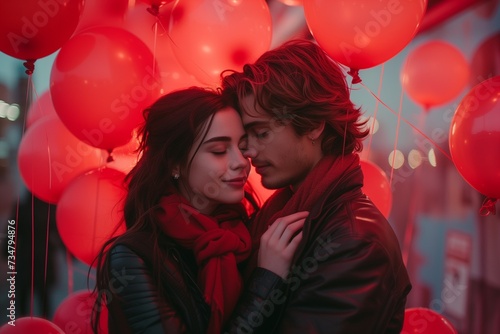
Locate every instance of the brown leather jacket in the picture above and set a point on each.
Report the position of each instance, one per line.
(347, 277)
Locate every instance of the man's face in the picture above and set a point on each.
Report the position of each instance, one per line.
(279, 155)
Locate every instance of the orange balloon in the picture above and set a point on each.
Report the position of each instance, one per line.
(420, 320)
(209, 36)
(50, 157)
(364, 33)
(30, 325)
(100, 83)
(475, 137)
(377, 187)
(434, 73)
(74, 313)
(90, 212)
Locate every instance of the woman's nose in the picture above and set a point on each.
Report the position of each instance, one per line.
(240, 161)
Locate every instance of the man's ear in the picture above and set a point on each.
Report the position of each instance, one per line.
(317, 132)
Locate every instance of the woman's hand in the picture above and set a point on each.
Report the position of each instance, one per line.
(279, 242)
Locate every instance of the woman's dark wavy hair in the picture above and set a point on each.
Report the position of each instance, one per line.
(172, 125)
(298, 83)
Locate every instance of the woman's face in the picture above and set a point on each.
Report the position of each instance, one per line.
(218, 169)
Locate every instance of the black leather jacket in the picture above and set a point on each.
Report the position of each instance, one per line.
(137, 305)
(347, 277)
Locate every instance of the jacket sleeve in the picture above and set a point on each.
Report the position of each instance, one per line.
(135, 297)
(263, 295)
(342, 286)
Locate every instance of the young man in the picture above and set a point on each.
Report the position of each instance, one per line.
(303, 137)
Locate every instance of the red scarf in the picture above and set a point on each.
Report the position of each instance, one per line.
(218, 244)
(328, 172)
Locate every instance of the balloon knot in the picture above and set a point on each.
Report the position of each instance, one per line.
(110, 156)
(355, 76)
(488, 207)
(30, 66)
(154, 10)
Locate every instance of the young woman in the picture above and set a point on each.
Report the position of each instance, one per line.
(175, 269)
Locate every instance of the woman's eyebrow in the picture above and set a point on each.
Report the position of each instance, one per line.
(216, 139)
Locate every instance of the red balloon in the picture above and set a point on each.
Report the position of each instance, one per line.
(90, 212)
(364, 33)
(485, 61)
(434, 73)
(31, 325)
(74, 314)
(33, 29)
(102, 13)
(292, 2)
(377, 187)
(123, 162)
(152, 30)
(209, 36)
(50, 156)
(475, 137)
(101, 81)
(41, 107)
(125, 157)
(420, 320)
(156, 3)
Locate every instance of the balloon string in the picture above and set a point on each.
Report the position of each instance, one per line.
(155, 41)
(488, 207)
(410, 225)
(32, 254)
(155, 11)
(47, 235)
(413, 208)
(29, 99)
(69, 265)
(345, 131)
(397, 136)
(96, 213)
(372, 127)
(409, 123)
(173, 44)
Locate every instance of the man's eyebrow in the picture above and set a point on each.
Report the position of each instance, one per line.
(254, 124)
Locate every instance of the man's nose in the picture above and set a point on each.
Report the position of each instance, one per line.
(251, 153)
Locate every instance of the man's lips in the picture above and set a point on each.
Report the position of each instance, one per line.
(260, 168)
